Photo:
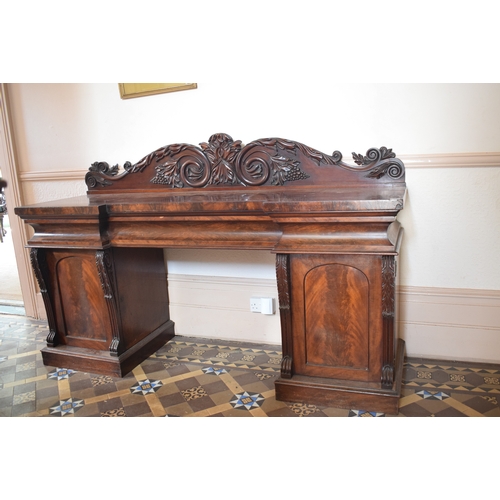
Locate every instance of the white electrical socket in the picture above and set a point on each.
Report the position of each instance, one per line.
(264, 305)
(255, 304)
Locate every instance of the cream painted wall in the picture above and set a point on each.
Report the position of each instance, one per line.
(452, 216)
(60, 126)
(452, 228)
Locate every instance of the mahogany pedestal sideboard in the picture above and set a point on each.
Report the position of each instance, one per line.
(100, 266)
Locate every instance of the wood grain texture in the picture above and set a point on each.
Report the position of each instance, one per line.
(80, 306)
(99, 259)
(337, 316)
(336, 301)
(224, 162)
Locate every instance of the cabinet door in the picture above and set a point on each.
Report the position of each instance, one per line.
(80, 308)
(336, 316)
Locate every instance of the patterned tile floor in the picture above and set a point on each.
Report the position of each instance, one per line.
(192, 377)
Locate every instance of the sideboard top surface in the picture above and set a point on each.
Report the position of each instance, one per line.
(250, 200)
(265, 176)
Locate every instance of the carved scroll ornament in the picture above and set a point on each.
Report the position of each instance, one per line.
(225, 162)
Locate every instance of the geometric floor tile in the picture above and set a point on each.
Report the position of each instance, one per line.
(194, 393)
(191, 376)
(65, 407)
(433, 395)
(25, 397)
(363, 413)
(302, 409)
(61, 373)
(118, 412)
(246, 400)
(101, 380)
(215, 371)
(146, 387)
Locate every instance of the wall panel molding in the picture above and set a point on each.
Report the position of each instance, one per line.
(450, 323)
(439, 323)
(436, 323)
(53, 175)
(449, 160)
(219, 307)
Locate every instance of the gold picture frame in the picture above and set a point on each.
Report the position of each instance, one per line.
(132, 90)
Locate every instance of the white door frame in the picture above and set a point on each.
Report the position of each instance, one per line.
(14, 197)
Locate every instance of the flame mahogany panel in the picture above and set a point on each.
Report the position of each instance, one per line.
(336, 298)
(336, 306)
(80, 310)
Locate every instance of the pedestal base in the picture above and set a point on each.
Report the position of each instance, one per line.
(344, 394)
(102, 362)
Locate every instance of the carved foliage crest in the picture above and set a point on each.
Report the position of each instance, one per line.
(224, 162)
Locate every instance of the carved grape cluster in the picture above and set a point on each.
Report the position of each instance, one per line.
(295, 174)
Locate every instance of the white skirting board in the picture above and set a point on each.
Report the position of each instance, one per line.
(436, 323)
(450, 323)
(219, 307)
(439, 323)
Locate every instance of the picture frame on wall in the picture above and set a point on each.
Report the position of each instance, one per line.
(132, 90)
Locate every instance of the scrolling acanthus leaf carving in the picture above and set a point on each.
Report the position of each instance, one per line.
(377, 162)
(98, 173)
(224, 162)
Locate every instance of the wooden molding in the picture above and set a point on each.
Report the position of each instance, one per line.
(14, 197)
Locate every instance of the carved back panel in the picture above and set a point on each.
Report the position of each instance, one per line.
(224, 163)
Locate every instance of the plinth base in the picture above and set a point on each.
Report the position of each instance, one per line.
(103, 362)
(342, 393)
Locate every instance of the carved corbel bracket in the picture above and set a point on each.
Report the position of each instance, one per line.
(283, 281)
(104, 263)
(39, 265)
(286, 367)
(388, 317)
